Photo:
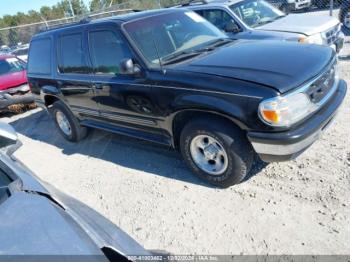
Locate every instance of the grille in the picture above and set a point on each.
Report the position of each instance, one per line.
(322, 86)
(332, 35)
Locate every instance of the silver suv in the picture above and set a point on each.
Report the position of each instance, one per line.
(257, 19)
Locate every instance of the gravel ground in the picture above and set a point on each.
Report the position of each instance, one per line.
(297, 207)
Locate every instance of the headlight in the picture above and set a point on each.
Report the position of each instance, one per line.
(24, 88)
(286, 110)
(313, 39)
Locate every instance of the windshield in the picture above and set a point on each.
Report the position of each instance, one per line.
(21, 52)
(164, 36)
(255, 13)
(11, 65)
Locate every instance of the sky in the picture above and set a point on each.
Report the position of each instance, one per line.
(11, 7)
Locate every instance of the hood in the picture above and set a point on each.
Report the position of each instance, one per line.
(281, 65)
(307, 24)
(12, 80)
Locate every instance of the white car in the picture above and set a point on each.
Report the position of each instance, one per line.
(21, 53)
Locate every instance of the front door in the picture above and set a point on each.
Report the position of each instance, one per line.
(121, 98)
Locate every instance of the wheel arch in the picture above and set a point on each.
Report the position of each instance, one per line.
(50, 94)
(182, 117)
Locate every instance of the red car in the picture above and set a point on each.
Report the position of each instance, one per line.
(14, 88)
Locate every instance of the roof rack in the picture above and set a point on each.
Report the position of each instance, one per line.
(190, 2)
(195, 2)
(76, 20)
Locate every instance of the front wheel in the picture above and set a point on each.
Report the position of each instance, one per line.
(285, 9)
(217, 152)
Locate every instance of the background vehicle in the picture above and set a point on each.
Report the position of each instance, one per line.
(21, 53)
(171, 77)
(256, 19)
(39, 220)
(4, 49)
(14, 88)
(344, 13)
(287, 6)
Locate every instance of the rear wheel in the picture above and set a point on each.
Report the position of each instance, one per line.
(217, 152)
(67, 123)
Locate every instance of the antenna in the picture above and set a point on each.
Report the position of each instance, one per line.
(160, 61)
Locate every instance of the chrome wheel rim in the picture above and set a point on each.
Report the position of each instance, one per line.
(209, 155)
(347, 20)
(63, 123)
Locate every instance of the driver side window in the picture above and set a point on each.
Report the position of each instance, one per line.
(219, 18)
(107, 50)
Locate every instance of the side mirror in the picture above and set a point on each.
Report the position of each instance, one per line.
(128, 67)
(232, 27)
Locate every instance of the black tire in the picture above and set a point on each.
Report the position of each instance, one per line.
(344, 14)
(239, 151)
(285, 9)
(78, 132)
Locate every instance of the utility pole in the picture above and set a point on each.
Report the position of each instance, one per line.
(44, 20)
(71, 7)
(331, 7)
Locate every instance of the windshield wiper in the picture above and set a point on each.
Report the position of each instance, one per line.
(265, 22)
(271, 20)
(278, 17)
(183, 55)
(216, 43)
(179, 56)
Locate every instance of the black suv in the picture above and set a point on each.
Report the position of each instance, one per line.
(170, 77)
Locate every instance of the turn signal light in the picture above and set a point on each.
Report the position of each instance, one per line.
(270, 116)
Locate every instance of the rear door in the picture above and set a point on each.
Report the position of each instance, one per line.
(74, 72)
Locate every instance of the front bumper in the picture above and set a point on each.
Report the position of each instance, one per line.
(284, 146)
(13, 96)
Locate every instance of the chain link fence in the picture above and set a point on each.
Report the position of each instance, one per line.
(18, 37)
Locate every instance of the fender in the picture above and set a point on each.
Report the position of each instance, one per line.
(208, 104)
(49, 90)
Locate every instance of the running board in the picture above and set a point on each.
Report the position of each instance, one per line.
(158, 138)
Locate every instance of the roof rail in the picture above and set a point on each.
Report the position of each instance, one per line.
(188, 3)
(195, 2)
(76, 20)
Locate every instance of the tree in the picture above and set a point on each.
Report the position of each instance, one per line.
(95, 5)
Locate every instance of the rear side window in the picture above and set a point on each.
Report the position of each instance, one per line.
(71, 57)
(40, 57)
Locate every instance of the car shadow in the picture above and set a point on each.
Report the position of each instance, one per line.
(120, 150)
